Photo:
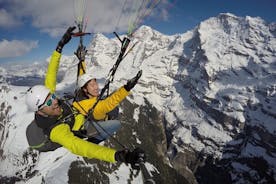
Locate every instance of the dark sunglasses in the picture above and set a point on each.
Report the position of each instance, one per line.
(48, 102)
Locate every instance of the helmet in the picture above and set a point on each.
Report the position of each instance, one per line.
(83, 79)
(36, 96)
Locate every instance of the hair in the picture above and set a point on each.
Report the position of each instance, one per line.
(80, 95)
(84, 92)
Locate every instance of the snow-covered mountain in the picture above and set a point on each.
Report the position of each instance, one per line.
(204, 108)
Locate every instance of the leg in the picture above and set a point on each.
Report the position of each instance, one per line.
(109, 126)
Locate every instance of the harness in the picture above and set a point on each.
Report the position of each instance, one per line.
(38, 132)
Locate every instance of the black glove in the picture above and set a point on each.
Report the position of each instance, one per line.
(65, 39)
(132, 82)
(81, 52)
(131, 157)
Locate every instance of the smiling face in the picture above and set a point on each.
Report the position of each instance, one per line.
(91, 89)
(50, 107)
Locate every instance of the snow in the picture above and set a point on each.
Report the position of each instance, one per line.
(138, 141)
(210, 132)
(184, 134)
(56, 166)
(123, 172)
(16, 144)
(136, 114)
(122, 176)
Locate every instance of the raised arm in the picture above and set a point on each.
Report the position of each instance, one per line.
(51, 74)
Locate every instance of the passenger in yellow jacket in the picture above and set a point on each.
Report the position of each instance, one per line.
(104, 112)
(89, 92)
(58, 119)
(102, 118)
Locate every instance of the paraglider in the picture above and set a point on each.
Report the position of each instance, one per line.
(80, 126)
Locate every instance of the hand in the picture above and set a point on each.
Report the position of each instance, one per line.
(132, 82)
(65, 39)
(81, 52)
(131, 157)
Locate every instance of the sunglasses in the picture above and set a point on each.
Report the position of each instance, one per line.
(49, 102)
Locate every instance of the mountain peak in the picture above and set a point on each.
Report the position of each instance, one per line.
(227, 32)
(146, 32)
(99, 37)
(145, 28)
(227, 15)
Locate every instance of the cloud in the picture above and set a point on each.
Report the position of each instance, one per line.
(16, 48)
(7, 20)
(54, 16)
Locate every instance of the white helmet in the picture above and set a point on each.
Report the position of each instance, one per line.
(36, 96)
(84, 78)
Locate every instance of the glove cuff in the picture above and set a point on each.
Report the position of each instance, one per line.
(120, 156)
(127, 87)
(59, 49)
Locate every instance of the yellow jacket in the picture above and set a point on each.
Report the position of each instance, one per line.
(103, 106)
(62, 133)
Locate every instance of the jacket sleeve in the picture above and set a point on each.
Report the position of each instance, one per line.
(104, 106)
(62, 135)
(79, 121)
(51, 75)
(84, 106)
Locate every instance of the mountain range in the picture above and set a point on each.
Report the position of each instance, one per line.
(204, 109)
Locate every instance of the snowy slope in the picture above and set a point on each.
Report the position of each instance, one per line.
(209, 93)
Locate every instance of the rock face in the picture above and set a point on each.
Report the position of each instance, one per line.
(215, 88)
(204, 108)
(4, 110)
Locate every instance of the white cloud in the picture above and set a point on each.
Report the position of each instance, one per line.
(16, 48)
(54, 16)
(7, 19)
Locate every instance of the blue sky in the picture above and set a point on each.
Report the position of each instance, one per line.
(30, 30)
